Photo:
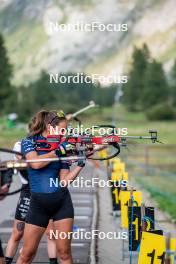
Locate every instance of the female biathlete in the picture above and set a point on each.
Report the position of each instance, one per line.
(48, 201)
(21, 212)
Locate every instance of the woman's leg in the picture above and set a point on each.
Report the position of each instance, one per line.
(16, 236)
(19, 224)
(63, 243)
(32, 237)
(51, 247)
(51, 244)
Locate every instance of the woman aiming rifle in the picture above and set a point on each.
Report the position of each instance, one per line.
(48, 202)
(21, 213)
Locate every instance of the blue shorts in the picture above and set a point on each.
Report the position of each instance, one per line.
(46, 206)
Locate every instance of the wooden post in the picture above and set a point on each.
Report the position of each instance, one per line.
(144, 224)
(131, 197)
(167, 258)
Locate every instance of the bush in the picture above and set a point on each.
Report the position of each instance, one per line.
(161, 112)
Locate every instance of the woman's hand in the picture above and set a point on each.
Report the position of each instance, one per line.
(4, 190)
(64, 148)
(81, 163)
(70, 175)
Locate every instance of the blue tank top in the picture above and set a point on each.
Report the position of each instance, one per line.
(44, 180)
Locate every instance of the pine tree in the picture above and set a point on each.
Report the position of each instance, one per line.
(135, 85)
(5, 77)
(156, 89)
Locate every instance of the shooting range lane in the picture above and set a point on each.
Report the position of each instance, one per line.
(108, 250)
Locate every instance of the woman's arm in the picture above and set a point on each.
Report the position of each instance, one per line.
(38, 165)
(69, 176)
(28, 149)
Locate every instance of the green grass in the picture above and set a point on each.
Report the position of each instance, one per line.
(9, 137)
(136, 123)
(162, 190)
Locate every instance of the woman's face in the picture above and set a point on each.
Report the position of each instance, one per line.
(63, 124)
(62, 127)
(59, 129)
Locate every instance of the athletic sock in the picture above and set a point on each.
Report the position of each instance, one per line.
(53, 261)
(8, 260)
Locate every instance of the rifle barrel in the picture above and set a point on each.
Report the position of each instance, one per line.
(83, 109)
(57, 159)
(137, 137)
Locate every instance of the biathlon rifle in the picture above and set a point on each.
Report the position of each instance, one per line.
(85, 147)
